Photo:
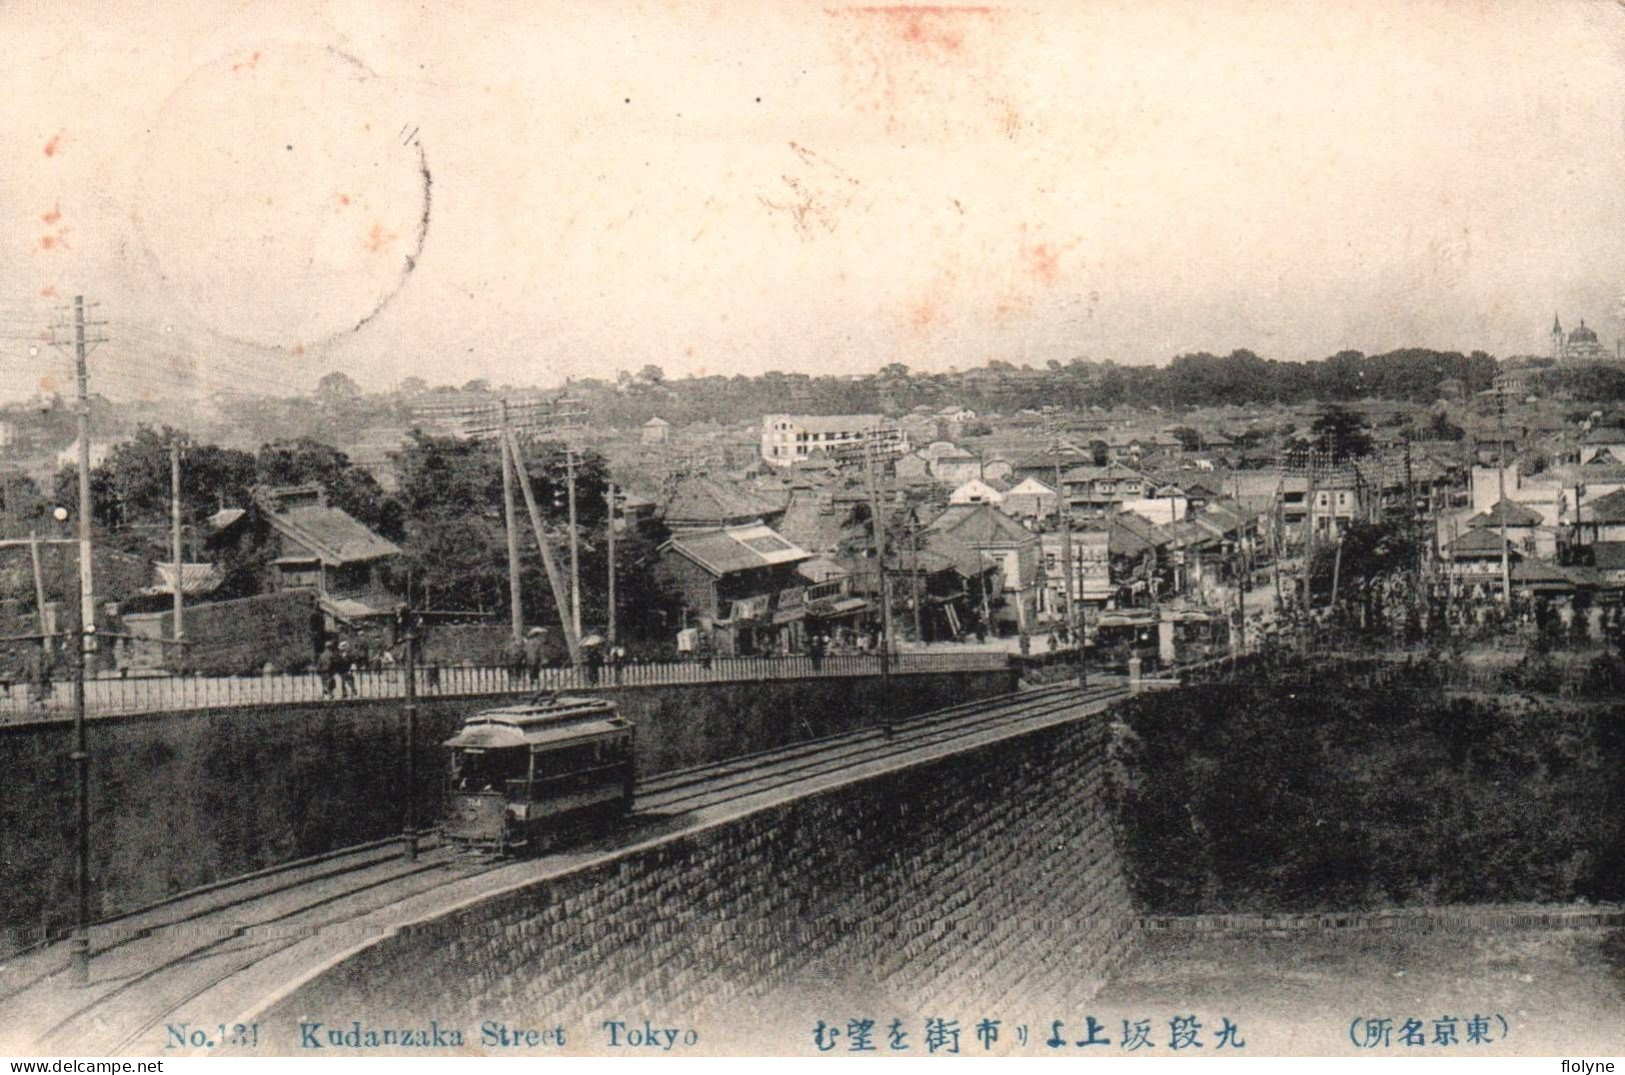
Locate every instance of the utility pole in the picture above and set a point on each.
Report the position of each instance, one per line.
(914, 574)
(575, 542)
(1501, 493)
(609, 540)
(409, 822)
(1069, 586)
(869, 450)
(571, 637)
(85, 643)
(509, 466)
(1309, 537)
(39, 592)
(175, 547)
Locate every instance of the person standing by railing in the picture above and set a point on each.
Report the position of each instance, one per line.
(327, 668)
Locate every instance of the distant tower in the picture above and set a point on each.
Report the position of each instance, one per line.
(1557, 338)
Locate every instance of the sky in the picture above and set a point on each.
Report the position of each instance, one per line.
(531, 191)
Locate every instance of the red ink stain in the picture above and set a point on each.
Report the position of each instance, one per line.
(59, 241)
(926, 26)
(48, 384)
(344, 199)
(48, 291)
(54, 144)
(1043, 262)
(378, 238)
(298, 348)
(54, 215)
(248, 64)
(922, 313)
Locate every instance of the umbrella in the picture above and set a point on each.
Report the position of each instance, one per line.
(592, 640)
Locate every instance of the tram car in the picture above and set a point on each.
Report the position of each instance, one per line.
(522, 777)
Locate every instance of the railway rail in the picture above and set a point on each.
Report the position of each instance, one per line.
(148, 967)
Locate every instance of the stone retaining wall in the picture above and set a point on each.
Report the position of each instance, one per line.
(184, 799)
(974, 883)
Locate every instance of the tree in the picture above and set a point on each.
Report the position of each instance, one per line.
(1189, 439)
(1342, 432)
(1440, 427)
(652, 374)
(456, 548)
(348, 487)
(337, 388)
(414, 386)
(130, 491)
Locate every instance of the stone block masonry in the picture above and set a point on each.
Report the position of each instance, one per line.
(984, 882)
(187, 798)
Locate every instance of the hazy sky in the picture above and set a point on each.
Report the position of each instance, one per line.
(748, 186)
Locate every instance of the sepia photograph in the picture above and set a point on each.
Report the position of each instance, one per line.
(558, 529)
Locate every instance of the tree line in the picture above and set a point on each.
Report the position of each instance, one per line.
(446, 514)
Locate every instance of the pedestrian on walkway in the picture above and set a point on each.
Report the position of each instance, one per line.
(347, 671)
(513, 659)
(327, 665)
(535, 652)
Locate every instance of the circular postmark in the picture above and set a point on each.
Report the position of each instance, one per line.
(284, 195)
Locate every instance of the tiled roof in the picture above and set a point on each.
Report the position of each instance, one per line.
(1478, 543)
(331, 533)
(195, 579)
(1115, 472)
(702, 500)
(1605, 509)
(1128, 534)
(1608, 555)
(979, 524)
(740, 548)
(1515, 514)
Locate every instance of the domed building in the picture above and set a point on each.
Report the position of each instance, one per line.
(1578, 346)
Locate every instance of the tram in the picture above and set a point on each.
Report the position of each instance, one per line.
(522, 777)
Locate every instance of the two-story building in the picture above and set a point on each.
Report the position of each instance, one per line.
(740, 585)
(987, 545)
(315, 546)
(788, 439)
(1097, 492)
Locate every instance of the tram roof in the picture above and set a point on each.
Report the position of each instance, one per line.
(482, 734)
(546, 720)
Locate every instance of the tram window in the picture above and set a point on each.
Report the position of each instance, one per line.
(488, 770)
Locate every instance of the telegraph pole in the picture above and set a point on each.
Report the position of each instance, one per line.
(39, 592)
(571, 637)
(914, 575)
(869, 450)
(609, 535)
(509, 465)
(175, 547)
(1501, 493)
(409, 823)
(80, 756)
(575, 542)
(1069, 586)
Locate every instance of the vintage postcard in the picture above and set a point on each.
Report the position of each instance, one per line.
(1010, 529)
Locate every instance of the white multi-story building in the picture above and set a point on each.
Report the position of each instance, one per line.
(788, 439)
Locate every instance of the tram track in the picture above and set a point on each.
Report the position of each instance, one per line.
(291, 875)
(79, 1028)
(126, 1012)
(784, 768)
(698, 774)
